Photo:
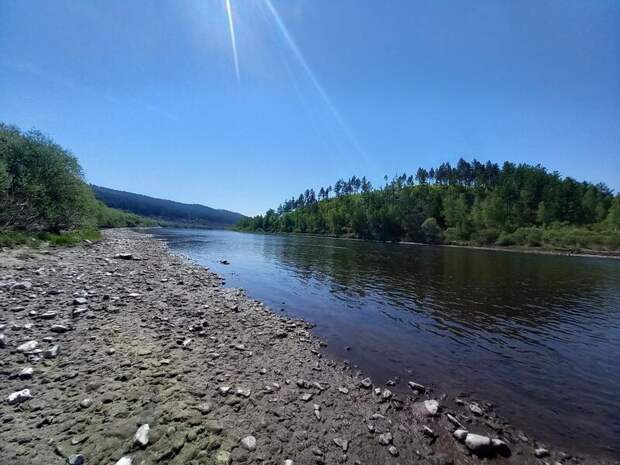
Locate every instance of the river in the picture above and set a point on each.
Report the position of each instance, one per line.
(539, 335)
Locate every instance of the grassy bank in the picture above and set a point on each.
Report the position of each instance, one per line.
(36, 239)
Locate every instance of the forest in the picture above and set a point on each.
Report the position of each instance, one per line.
(472, 203)
(43, 195)
(167, 212)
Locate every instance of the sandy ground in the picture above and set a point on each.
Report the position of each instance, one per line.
(94, 346)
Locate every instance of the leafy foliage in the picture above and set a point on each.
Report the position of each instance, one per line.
(42, 189)
(472, 203)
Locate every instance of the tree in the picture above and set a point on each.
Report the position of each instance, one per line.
(421, 176)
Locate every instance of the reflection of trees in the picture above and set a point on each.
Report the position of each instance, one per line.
(460, 289)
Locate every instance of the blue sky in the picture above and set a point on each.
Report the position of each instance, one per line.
(146, 94)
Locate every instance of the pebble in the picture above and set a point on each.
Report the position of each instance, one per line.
(124, 461)
(26, 373)
(460, 435)
(19, 396)
(52, 352)
(366, 383)
(393, 451)
(342, 443)
(85, 403)
(541, 452)
(59, 328)
(416, 386)
(222, 457)
(249, 443)
(432, 406)
(475, 409)
(76, 459)
(27, 346)
(477, 442)
(142, 435)
(2, 341)
(385, 438)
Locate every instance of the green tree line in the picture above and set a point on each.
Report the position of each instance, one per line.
(470, 203)
(42, 188)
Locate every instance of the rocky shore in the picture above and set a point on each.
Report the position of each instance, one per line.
(120, 353)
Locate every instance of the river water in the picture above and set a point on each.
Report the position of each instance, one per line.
(538, 335)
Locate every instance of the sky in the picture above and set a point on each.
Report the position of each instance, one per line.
(153, 98)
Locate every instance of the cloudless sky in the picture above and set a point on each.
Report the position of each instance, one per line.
(146, 94)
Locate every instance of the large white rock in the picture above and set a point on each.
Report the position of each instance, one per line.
(249, 442)
(432, 406)
(27, 346)
(477, 442)
(19, 396)
(142, 435)
(124, 461)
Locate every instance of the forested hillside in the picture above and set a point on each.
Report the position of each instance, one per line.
(43, 193)
(472, 203)
(167, 210)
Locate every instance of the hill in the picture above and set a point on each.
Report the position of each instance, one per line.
(472, 203)
(167, 211)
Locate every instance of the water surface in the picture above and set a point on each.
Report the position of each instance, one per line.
(539, 335)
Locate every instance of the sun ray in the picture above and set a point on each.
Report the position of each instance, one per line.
(233, 39)
(319, 88)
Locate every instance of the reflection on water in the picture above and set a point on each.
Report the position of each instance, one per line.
(539, 335)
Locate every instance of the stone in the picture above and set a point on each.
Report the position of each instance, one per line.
(431, 406)
(123, 256)
(477, 443)
(26, 373)
(2, 341)
(289, 462)
(142, 435)
(85, 403)
(222, 457)
(124, 461)
(59, 328)
(416, 386)
(385, 438)
(342, 443)
(366, 383)
(249, 443)
(393, 451)
(475, 409)
(343, 390)
(80, 301)
(21, 285)
(386, 394)
(48, 315)
(19, 396)
(306, 396)
(541, 452)
(501, 447)
(460, 435)
(52, 352)
(76, 459)
(27, 346)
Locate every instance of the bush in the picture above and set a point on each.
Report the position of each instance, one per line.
(505, 239)
(485, 236)
(431, 230)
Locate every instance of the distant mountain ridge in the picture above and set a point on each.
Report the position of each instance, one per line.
(167, 211)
